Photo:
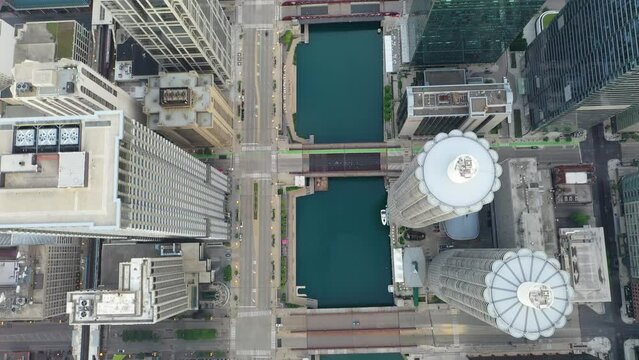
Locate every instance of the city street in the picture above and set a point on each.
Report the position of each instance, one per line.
(254, 173)
(43, 337)
(598, 151)
(552, 154)
(168, 344)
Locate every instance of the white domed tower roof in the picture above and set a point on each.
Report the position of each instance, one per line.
(528, 295)
(459, 171)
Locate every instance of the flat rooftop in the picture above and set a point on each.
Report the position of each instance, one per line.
(519, 205)
(584, 256)
(45, 193)
(45, 41)
(462, 99)
(179, 100)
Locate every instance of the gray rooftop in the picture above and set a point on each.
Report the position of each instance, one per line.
(414, 267)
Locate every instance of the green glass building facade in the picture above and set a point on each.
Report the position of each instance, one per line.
(447, 32)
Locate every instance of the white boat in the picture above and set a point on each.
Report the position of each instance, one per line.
(382, 213)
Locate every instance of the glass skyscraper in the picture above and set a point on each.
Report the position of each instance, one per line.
(583, 68)
(444, 32)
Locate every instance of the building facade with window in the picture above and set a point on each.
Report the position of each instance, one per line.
(630, 198)
(583, 68)
(446, 32)
(189, 110)
(429, 110)
(505, 288)
(48, 41)
(105, 175)
(35, 279)
(68, 87)
(180, 35)
(149, 290)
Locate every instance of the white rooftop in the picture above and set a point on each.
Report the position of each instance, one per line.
(577, 177)
(458, 186)
(528, 294)
(69, 189)
(584, 254)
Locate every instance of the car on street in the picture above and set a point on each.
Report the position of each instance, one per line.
(445, 247)
(627, 293)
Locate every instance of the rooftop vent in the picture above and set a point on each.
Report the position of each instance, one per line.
(175, 97)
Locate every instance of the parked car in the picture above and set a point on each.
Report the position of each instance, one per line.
(627, 292)
(413, 235)
(445, 247)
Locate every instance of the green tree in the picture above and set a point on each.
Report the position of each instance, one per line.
(228, 273)
(287, 39)
(580, 218)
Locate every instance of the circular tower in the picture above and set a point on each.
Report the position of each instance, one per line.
(454, 174)
(520, 292)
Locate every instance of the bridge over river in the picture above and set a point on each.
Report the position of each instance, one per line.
(432, 329)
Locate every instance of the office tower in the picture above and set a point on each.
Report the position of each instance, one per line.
(429, 110)
(51, 7)
(68, 87)
(180, 35)
(582, 69)
(630, 198)
(444, 32)
(105, 175)
(454, 174)
(49, 41)
(187, 109)
(17, 239)
(7, 42)
(149, 290)
(34, 279)
(518, 291)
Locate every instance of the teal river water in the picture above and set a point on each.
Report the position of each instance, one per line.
(339, 84)
(343, 253)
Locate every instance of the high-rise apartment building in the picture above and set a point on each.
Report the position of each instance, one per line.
(454, 174)
(49, 41)
(189, 110)
(68, 87)
(35, 279)
(429, 110)
(105, 175)
(180, 35)
(630, 198)
(521, 292)
(7, 42)
(444, 32)
(582, 69)
(149, 290)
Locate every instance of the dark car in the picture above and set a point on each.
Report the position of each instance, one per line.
(627, 292)
(413, 235)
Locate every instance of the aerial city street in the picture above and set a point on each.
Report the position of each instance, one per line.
(319, 179)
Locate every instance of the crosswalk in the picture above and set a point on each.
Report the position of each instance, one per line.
(253, 313)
